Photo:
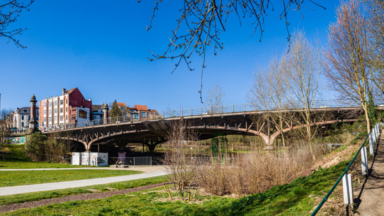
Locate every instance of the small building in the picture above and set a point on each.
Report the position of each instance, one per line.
(141, 112)
(21, 117)
(97, 112)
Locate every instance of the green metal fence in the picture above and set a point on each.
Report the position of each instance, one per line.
(373, 131)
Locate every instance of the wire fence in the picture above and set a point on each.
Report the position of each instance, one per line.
(216, 110)
(131, 161)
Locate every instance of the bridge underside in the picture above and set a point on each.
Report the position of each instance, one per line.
(151, 133)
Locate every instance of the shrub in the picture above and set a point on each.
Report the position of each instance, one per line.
(35, 147)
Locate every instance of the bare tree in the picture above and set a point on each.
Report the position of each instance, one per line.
(269, 93)
(347, 57)
(375, 47)
(202, 22)
(3, 133)
(215, 99)
(9, 12)
(302, 66)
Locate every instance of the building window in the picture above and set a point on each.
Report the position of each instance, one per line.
(42, 124)
(45, 118)
(50, 119)
(55, 103)
(22, 117)
(50, 104)
(143, 114)
(45, 104)
(136, 116)
(61, 110)
(67, 100)
(22, 124)
(61, 102)
(61, 118)
(29, 117)
(37, 111)
(55, 110)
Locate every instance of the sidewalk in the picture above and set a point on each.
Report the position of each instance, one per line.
(148, 173)
(371, 197)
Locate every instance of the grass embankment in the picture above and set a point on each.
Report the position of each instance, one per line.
(17, 164)
(28, 197)
(295, 198)
(14, 178)
(16, 159)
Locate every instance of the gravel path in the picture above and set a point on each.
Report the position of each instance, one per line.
(78, 183)
(371, 197)
(89, 196)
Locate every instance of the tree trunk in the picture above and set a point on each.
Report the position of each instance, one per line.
(367, 119)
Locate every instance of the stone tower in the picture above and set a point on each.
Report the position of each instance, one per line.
(105, 112)
(33, 121)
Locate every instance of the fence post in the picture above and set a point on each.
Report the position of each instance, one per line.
(347, 189)
(371, 145)
(364, 165)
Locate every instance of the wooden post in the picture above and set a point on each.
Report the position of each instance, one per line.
(347, 189)
(169, 193)
(189, 196)
(364, 162)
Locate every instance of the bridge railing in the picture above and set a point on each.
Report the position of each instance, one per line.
(214, 110)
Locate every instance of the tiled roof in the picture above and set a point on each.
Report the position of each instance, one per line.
(71, 90)
(141, 107)
(121, 104)
(95, 108)
(155, 111)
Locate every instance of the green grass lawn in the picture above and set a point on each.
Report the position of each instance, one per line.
(21, 198)
(295, 198)
(19, 164)
(13, 178)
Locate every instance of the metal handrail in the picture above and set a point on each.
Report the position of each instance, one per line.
(220, 109)
(342, 175)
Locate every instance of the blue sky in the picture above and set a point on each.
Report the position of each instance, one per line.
(101, 47)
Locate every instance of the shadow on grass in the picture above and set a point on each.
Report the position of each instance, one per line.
(293, 198)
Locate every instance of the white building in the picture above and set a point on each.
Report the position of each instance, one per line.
(21, 118)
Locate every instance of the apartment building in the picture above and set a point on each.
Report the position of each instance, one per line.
(67, 110)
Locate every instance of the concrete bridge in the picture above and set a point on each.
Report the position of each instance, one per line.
(206, 122)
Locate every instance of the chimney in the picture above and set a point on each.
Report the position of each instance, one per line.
(64, 90)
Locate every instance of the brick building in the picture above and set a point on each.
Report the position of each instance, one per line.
(68, 109)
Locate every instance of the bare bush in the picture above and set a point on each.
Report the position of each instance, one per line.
(179, 160)
(257, 171)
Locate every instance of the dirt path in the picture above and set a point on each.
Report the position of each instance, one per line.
(13, 207)
(370, 197)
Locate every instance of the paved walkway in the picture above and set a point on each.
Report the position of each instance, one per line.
(148, 173)
(372, 193)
